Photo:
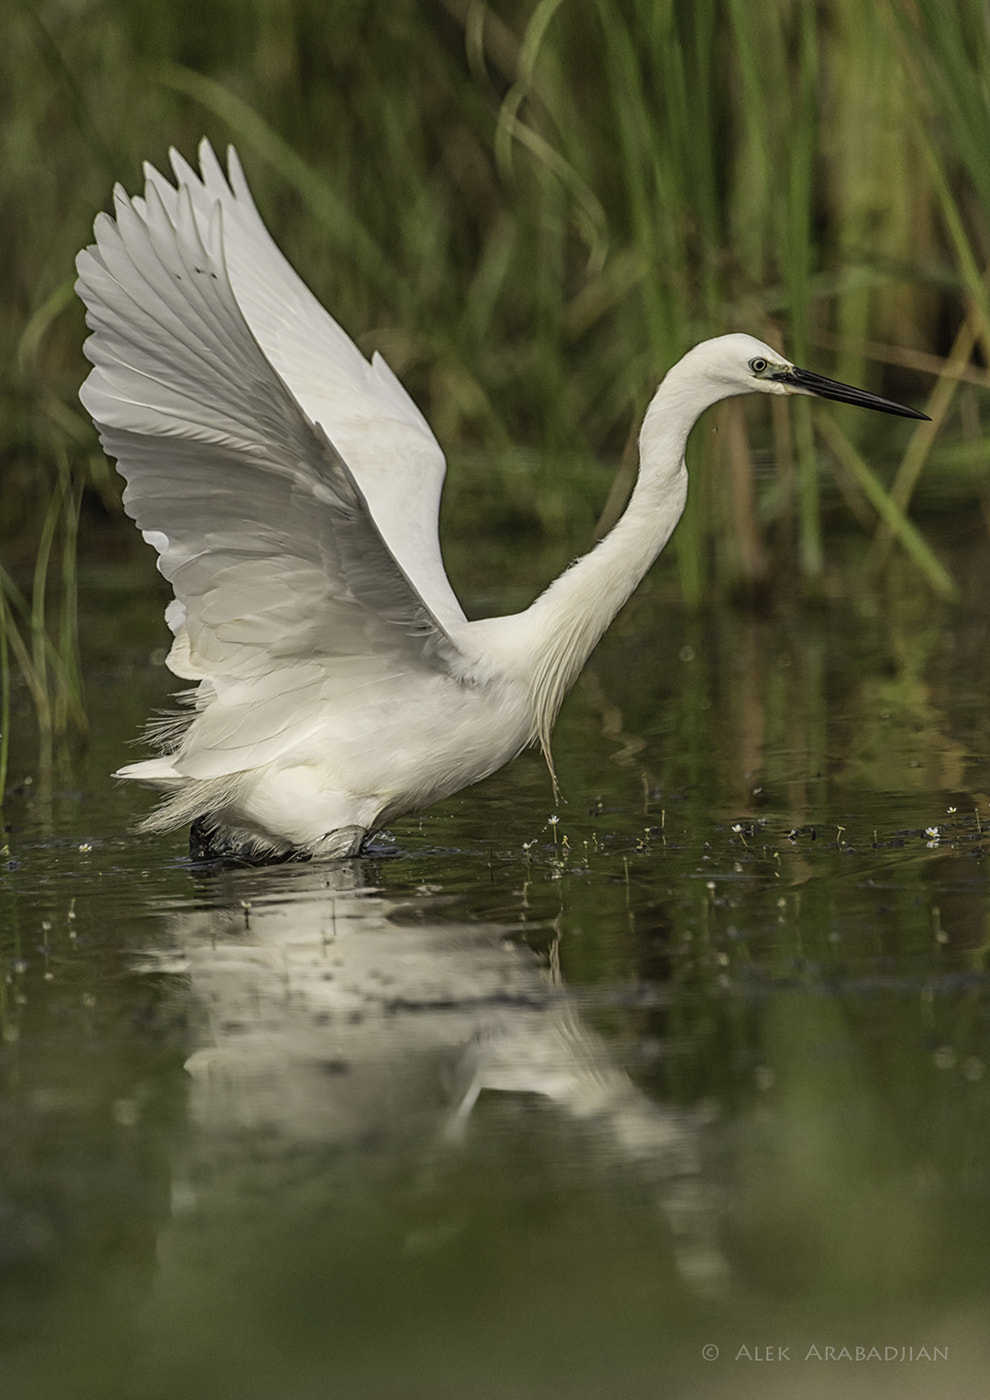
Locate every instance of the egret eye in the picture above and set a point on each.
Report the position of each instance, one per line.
(758, 366)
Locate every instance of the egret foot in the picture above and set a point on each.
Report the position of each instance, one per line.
(209, 845)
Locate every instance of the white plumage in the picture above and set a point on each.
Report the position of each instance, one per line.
(291, 488)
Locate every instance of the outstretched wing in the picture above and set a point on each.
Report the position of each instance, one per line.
(364, 410)
(281, 575)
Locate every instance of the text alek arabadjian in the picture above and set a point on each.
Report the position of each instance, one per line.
(814, 1352)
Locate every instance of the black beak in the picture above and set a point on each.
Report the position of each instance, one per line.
(810, 383)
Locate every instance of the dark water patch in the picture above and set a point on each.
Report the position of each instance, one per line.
(534, 1098)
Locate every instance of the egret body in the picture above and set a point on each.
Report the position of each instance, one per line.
(291, 488)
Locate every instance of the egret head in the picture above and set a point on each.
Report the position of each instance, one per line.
(743, 364)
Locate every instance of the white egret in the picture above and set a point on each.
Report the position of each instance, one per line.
(291, 488)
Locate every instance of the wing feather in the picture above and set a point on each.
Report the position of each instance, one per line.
(361, 405)
(284, 583)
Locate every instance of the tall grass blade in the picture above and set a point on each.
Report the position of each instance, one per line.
(5, 683)
(901, 527)
(923, 438)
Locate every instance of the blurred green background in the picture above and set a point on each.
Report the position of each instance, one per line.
(531, 208)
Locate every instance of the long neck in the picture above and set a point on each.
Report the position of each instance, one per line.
(569, 618)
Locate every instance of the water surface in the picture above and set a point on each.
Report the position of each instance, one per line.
(535, 1100)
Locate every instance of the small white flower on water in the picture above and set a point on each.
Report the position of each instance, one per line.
(932, 832)
(85, 847)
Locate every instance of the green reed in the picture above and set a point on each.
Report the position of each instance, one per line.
(533, 210)
(38, 633)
